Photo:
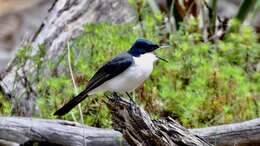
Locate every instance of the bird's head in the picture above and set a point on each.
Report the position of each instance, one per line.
(142, 46)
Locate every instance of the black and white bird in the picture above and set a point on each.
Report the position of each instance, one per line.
(124, 73)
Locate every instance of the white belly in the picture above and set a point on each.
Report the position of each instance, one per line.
(131, 78)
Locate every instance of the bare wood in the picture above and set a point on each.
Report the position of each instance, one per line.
(239, 134)
(21, 130)
(138, 128)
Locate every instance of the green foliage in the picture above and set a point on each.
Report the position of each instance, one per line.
(5, 106)
(203, 84)
(208, 83)
(245, 8)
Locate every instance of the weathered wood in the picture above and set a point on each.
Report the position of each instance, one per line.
(240, 134)
(68, 16)
(138, 128)
(22, 130)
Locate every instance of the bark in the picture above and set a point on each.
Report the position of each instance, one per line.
(135, 125)
(23, 130)
(138, 128)
(64, 22)
(240, 134)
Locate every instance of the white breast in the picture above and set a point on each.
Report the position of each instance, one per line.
(132, 77)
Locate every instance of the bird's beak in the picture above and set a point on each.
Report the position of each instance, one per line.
(165, 46)
(161, 57)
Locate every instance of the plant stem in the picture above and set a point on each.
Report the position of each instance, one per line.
(213, 16)
(74, 84)
(245, 8)
(76, 91)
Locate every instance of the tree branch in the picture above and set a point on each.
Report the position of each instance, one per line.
(240, 134)
(22, 130)
(136, 127)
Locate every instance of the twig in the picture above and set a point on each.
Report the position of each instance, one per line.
(74, 83)
(76, 92)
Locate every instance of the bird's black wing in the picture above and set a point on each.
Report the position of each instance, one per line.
(111, 69)
(105, 73)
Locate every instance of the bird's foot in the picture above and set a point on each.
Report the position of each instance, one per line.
(107, 96)
(116, 96)
(131, 99)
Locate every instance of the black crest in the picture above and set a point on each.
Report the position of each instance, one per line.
(142, 46)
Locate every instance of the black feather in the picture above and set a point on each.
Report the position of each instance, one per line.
(108, 71)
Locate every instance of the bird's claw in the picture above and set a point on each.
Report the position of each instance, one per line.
(131, 99)
(116, 97)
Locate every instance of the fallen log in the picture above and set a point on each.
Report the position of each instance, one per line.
(139, 130)
(22, 130)
(239, 134)
(136, 127)
(132, 121)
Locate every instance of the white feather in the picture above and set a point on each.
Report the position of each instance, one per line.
(131, 78)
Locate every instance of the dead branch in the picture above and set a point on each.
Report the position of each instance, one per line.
(22, 130)
(239, 134)
(138, 128)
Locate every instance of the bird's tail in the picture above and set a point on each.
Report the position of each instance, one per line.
(72, 103)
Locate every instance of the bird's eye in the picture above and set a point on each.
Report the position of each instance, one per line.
(153, 47)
